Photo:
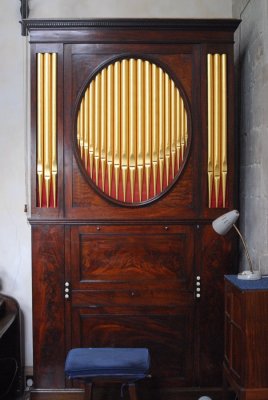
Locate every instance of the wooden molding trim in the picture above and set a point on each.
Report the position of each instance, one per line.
(53, 394)
(114, 222)
(140, 23)
(76, 394)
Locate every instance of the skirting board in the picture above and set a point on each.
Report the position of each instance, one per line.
(182, 394)
(54, 394)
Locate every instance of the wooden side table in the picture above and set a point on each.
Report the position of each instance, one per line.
(245, 366)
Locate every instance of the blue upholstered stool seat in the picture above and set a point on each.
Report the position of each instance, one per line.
(124, 363)
(108, 364)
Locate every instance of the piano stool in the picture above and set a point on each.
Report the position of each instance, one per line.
(124, 365)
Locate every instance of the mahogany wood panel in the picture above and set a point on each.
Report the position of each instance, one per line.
(217, 256)
(48, 305)
(139, 254)
(169, 335)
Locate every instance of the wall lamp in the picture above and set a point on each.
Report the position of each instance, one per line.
(222, 225)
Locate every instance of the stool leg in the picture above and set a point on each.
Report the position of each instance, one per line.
(132, 391)
(88, 390)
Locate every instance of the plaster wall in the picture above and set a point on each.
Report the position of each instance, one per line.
(15, 236)
(252, 54)
(131, 9)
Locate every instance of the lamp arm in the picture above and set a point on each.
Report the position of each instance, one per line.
(245, 247)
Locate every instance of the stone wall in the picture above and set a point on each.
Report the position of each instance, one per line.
(252, 61)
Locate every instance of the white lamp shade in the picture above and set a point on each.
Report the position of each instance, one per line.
(224, 223)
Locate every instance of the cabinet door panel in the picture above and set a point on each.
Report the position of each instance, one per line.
(140, 254)
(168, 336)
(132, 286)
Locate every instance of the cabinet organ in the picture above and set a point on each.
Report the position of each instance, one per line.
(133, 156)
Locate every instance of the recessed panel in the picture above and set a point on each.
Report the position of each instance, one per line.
(169, 336)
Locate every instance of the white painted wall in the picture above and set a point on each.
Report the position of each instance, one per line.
(15, 240)
(131, 8)
(15, 244)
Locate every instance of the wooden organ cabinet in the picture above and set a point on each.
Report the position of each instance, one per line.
(133, 155)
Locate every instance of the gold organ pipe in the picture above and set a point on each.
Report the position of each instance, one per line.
(161, 126)
(91, 126)
(110, 124)
(132, 123)
(216, 125)
(132, 118)
(81, 128)
(148, 125)
(185, 127)
(140, 124)
(167, 125)
(224, 126)
(40, 123)
(155, 121)
(124, 126)
(97, 126)
(86, 128)
(173, 127)
(103, 125)
(178, 128)
(47, 167)
(182, 121)
(54, 166)
(47, 125)
(210, 125)
(117, 125)
(78, 128)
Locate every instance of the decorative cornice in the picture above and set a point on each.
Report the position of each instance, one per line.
(122, 23)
